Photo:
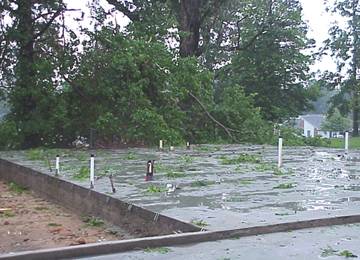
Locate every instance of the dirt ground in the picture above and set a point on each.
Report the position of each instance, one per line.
(28, 222)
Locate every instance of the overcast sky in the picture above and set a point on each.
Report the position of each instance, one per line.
(314, 13)
(319, 22)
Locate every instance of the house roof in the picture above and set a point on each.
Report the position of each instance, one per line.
(315, 120)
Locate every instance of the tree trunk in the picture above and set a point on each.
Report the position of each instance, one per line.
(190, 22)
(355, 60)
(24, 100)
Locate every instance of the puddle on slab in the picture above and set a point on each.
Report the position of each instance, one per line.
(313, 179)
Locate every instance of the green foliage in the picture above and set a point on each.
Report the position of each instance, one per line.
(329, 251)
(336, 122)
(36, 154)
(155, 189)
(82, 174)
(200, 183)
(7, 214)
(285, 186)
(242, 158)
(187, 159)
(347, 253)
(16, 188)
(237, 111)
(354, 143)
(273, 68)
(316, 141)
(11, 138)
(263, 167)
(132, 87)
(199, 222)
(93, 221)
(52, 224)
(245, 182)
(174, 175)
(344, 44)
(293, 137)
(130, 156)
(160, 250)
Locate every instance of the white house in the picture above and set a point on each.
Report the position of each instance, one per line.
(311, 126)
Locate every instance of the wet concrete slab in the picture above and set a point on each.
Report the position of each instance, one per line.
(318, 243)
(217, 191)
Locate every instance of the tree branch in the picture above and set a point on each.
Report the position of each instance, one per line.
(133, 16)
(226, 129)
(48, 23)
(261, 31)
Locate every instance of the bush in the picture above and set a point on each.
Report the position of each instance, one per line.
(11, 138)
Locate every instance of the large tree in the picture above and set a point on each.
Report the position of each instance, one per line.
(344, 45)
(29, 84)
(270, 60)
(189, 17)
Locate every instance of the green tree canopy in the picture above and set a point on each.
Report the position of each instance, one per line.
(336, 122)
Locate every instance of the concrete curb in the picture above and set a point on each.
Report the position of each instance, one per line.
(172, 240)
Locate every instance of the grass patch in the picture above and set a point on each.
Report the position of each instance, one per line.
(54, 224)
(155, 189)
(36, 154)
(285, 186)
(130, 156)
(15, 188)
(7, 214)
(159, 250)
(242, 158)
(82, 174)
(201, 183)
(199, 222)
(174, 175)
(354, 142)
(93, 221)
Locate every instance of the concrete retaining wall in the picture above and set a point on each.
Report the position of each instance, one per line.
(136, 220)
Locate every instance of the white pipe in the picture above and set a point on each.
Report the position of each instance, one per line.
(346, 141)
(161, 144)
(280, 152)
(92, 171)
(57, 165)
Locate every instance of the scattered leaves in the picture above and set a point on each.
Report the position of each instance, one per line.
(200, 183)
(347, 254)
(83, 173)
(285, 186)
(160, 250)
(155, 189)
(242, 158)
(199, 222)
